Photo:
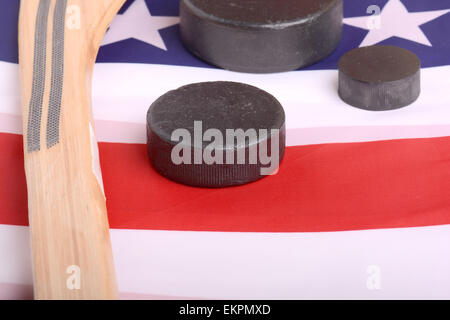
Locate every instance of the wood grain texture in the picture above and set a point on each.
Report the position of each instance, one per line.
(67, 208)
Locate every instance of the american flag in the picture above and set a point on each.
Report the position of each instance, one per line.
(360, 207)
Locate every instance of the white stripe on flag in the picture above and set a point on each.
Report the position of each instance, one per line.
(409, 263)
(315, 114)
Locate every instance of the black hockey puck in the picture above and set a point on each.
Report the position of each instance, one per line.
(261, 36)
(379, 77)
(216, 134)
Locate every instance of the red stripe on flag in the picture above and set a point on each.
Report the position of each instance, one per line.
(330, 187)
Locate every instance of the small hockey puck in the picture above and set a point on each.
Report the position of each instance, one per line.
(379, 77)
(261, 36)
(216, 134)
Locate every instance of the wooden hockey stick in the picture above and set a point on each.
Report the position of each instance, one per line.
(71, 249)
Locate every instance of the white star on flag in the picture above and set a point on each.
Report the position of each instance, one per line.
(138, 23)
(396, 21)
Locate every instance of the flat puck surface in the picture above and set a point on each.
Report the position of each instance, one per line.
(379, 64)
(261, 36)
(220, 106)
(379, 77)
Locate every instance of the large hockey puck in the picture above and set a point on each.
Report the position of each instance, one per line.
(379, 77)
(216, 134)
(261, 36)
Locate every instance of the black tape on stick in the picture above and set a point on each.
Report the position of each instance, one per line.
(379, 77)
(261, 36)
(216, 134)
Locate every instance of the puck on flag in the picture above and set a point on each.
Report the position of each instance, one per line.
(380, 77)
(263, 36)
(216, 134)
